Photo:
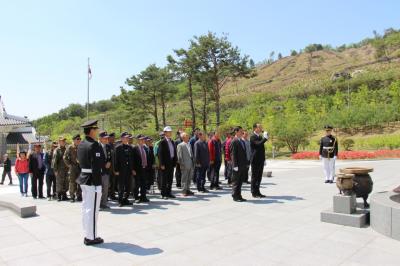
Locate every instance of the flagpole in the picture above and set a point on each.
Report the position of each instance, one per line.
(88, 78)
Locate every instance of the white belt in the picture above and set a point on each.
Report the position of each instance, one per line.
(87, 171)
(327, 148)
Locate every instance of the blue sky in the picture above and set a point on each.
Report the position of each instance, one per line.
(44, 45)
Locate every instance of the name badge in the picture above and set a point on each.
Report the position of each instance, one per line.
(97, 154)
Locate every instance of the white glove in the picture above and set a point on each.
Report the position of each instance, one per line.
(334, 157)
(235, 169)
(265, 134)
(320, 157)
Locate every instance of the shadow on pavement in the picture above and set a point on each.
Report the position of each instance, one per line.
(121, 247)
(287, 198)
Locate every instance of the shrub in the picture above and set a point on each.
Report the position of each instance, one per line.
(348, 144)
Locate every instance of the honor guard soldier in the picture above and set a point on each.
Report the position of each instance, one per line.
(328, 152)
(91, 160)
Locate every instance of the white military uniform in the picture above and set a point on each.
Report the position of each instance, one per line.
(328, 152)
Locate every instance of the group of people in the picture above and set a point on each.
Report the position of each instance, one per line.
(100, 169)
(132, 170)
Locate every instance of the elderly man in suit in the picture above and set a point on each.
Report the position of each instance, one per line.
(185, 160)
(202, 161)
(167, 160)
(240, 164)
(257, 141)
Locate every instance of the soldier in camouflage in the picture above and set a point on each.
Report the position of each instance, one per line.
(70, 159)
(60, 170)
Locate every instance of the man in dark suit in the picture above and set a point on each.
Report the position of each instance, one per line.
(124, 169)
(37, 169)
(152, 164)
(142, 165)
(201, 161)
(257, 141)
(167, 160)
(239, 164)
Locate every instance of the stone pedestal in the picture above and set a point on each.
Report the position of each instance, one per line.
(344, 204)
(345, 212)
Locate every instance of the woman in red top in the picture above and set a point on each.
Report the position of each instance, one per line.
(22, 171)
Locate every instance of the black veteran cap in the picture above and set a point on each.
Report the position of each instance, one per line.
(112, 134)
(124, 134)
(328, 127)
(77, 136)
(149, 139)
(103, 134)
(90, 124)
(141, 136)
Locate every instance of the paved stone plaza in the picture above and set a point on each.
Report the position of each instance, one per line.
(208, 229)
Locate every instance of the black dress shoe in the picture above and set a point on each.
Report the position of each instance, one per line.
(242, 199)
(326, 181)
(205, 191)
(145, 200)
(171, 196)
(256, 196)
(262, 196)
(120, 204)
(96, 241)
(190, 192)
(218, 188)
(41, 197)
(72, 200)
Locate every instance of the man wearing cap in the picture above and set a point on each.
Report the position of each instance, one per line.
(37, 168)
(113, 181)
(328, 151)
(142, 166)
(105, 171)
(71, 160)
(50, 176)
(124, 169)
(167, 157)
(60, 170)
(91, 160)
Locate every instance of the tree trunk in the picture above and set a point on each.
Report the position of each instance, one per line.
(163, 107)
(155, 112)
(205, 109)
(191, 102)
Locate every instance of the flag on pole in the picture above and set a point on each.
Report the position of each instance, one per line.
(89, 72)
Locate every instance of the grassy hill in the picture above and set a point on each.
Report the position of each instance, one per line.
(307, 75)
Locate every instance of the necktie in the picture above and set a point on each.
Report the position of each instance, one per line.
(143, 156)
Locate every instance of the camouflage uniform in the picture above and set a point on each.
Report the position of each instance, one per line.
(71, 160)
(61, 171)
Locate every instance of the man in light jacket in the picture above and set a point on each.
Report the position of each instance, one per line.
(185, 160)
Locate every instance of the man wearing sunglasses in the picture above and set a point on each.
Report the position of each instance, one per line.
(71, 160)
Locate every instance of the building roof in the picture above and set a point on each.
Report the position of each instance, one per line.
(10, 120)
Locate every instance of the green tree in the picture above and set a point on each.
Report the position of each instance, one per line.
(222, 62)
(186, 66)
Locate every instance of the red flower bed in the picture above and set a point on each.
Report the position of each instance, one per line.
(351, 155)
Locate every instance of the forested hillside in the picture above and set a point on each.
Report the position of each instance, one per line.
(354, 87)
